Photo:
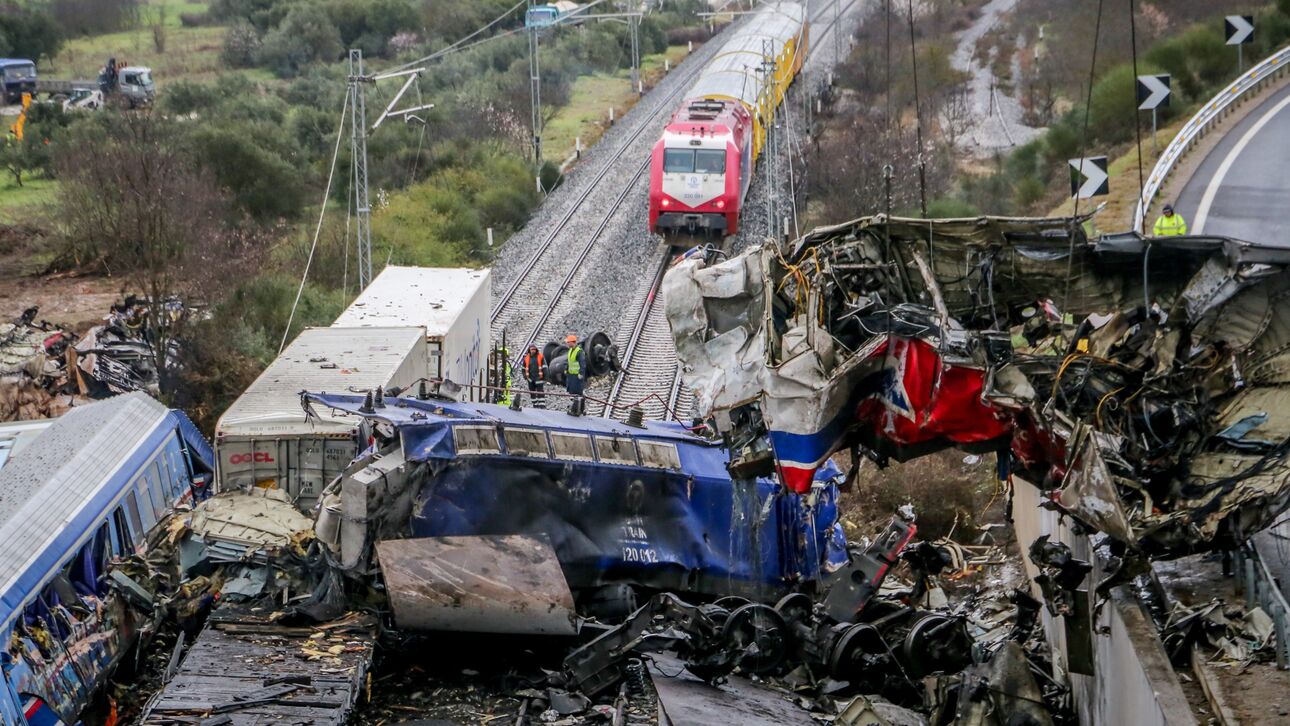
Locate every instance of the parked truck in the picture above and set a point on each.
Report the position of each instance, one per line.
(265, 439)
(129, 86)
(17, 76)
(452, 304)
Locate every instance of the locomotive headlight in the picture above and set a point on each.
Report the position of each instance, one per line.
(721, 204)
(666, 202)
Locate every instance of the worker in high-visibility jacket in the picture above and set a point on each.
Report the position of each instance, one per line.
(1170, 224)
(504, 399)
(576, 374)
(534, 366)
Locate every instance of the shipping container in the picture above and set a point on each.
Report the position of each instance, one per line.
(453, 306)
(265, 438)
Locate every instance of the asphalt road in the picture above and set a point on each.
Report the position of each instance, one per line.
(1242, 188)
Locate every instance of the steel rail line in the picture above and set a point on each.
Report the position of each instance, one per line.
(609, 164)
(666, 367)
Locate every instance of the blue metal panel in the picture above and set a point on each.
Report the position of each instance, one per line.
(689, 529)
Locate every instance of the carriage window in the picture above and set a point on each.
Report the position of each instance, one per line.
(678, 161)
(132, 505)
(122, 544)
(659, 454)
(476, 440)
(710, 161)
(526, 442)
(576, 447)
(615, 450)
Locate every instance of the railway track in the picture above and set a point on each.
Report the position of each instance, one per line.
(651, 375)
(556, 257)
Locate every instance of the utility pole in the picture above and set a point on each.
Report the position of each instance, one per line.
(837, 28)
(768, 127)
(633, 22)
(535, 89)
(358, 156)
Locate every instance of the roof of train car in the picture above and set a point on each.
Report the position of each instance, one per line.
(423, 423)
(52, 493)
(732, 72)
(337, 359)
(434, 297)
(412, 411)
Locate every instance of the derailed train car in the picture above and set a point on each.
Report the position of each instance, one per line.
(649, 507)
(1139, 382)
(86, 493)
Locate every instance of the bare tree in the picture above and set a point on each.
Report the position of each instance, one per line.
(141, 207)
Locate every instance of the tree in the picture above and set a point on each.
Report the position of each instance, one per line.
(141, 207)
(305, 35)
(31, 34)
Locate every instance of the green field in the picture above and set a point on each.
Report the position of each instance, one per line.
(17, 202)
(587, 114)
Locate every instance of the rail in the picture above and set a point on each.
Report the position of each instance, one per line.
(1261, 589)
(1218, 107)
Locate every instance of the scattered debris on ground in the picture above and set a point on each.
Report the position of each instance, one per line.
(45, 368)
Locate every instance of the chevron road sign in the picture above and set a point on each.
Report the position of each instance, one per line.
(1153, 91)
(1092, 170)
(1239, 29)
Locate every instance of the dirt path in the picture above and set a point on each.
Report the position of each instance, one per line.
(76, 302)
(996, 119)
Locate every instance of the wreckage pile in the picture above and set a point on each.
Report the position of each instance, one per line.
(1137, 381)
(45, 368)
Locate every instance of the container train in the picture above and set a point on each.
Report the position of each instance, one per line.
(701, 168)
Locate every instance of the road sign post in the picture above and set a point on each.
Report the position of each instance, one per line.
(1239, 30)
(1153, 92)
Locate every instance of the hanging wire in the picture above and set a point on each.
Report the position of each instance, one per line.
(1133, 44)
(458, 45)
(1083, 152)
(918, 116)
(331, 173)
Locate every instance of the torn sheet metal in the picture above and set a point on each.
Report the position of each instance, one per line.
(1151, 411)
(652, 506)
(498, 584)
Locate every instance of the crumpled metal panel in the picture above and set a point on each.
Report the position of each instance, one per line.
(485, 584)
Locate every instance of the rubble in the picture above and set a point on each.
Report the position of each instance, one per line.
(45, 368)
(1137, 381)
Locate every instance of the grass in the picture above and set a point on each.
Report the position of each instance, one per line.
(587, 114)
(16, 201)
(1122, 180)
(190, 53)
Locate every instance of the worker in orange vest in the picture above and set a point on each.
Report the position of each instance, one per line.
(534, 365)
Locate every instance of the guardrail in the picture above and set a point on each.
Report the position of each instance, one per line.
(1261, 589)
(1218, 107)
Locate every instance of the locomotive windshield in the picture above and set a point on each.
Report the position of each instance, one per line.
(710, 161)
(691, 161)
(678, 161)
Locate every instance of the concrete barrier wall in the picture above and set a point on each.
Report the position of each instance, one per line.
(1132, 681)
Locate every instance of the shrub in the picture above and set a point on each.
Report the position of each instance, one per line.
(241, 46)
(304, 36)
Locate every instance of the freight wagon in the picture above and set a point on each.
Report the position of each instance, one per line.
(265, 439)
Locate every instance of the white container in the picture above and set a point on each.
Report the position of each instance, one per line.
(264, 438)
(452, 304)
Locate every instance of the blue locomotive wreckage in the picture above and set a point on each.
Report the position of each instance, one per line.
(651, 506)
(77, 508)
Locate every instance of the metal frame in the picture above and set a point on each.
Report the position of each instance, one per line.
(1261, 589)
(1247, 84)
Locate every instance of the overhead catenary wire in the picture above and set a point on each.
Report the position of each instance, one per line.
(457, 45)
(1083, 150)
(918, 116)
(322, 211)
